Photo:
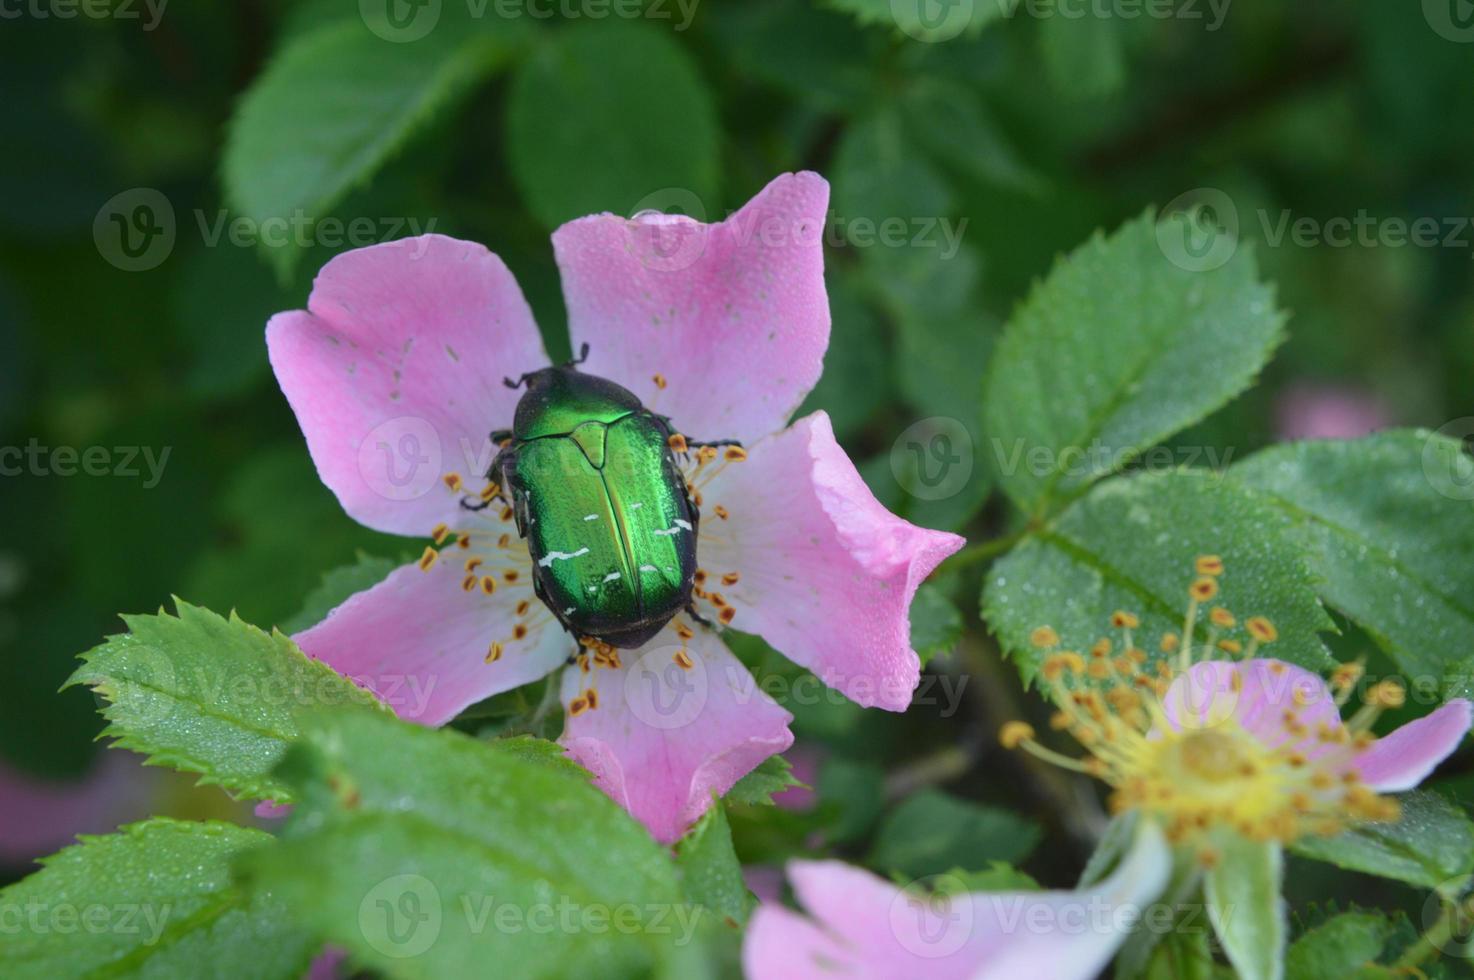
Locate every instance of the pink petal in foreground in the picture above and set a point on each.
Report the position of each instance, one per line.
(395, 373)
(734, 316)
(827, 574)
(39, 816)
(1404, 758)
(420, 642)
(663, 738)
(864, 927)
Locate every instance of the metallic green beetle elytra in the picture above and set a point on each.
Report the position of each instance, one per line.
(602, 504)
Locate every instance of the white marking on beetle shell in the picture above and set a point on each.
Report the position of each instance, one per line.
(568, 611)
(648, 568)
(612, 577)
(547, 560)
(591, 517)
(637, 505)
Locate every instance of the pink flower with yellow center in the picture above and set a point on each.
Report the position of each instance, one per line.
(395, 372)
(1254, 745)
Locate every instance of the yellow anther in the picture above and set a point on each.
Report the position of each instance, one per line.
(1203, 589)
(494, 654)
(1124, 620)
(659, 380)
(1044, 638)
(453, 482)
(677, 443)
(683, 660)
(735, 454)
(1170, 642)
(1015, 733)
(440, 533)
(488, 584)
(1209, 565)
(427, 560)
(1387, 694)
(1261, 629)
(1219, 616)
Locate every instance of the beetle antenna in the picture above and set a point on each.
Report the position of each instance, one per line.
(514, 385)
(583, 355)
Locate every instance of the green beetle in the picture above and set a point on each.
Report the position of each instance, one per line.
(602, 504)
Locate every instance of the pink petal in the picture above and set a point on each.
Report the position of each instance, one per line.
(826, 573)
(396, 373)
(663, 739)
(733, 315)
(1404, 758)
(864, 926)
(1203, 695)
(39, 816)
(420, 642)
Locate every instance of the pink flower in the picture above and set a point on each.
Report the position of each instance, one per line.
(1257, 746)
(395, 373)
(1307, 410)
(863, 927)
(40, 816)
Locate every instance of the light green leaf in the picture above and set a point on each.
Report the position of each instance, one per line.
(1116, 350)
(1131, 544)
(998, 876)
(209, 695)
(710, 872)
(153, 900)
(427, 853)
(1245, 907)
(337, 102)
(337, 586)
(936, 623)
(879, 175)
(1432, 846)
(933, 831)
(1339, 947)
(1390, 550)
(603, 117)
(773, 775)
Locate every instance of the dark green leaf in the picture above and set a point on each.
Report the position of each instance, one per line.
(1119, 348)
(936, 623)
(209, 695)
(1390, 550)
(427, 853)
(1083, 54)
(153, 900)
(1131, 544)
(710, 872)
(932, 831)
(1339, 947)
(1432, 846)
(951, 122)
(773, 775)
(603, 117)
(336, 588)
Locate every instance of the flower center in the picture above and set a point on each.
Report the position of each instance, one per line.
(1212, 757)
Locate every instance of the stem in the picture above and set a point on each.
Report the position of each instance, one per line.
(1431, 942)
(981, 552)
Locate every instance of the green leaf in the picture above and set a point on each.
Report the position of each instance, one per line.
(1390, 550)
(879, 175)
(1432, 846)
(919, 20)
(854, 793)
(153, 900)
(1131, 544)
(1339, 947)
(856, 383)
(209, 695)
(932, 831)
(336, 103)
(1244, 904)
(773, 775)
(603, 117)
(710, 872)
(1083, 55)
(936, 623)
(998, 876)
(950, 121)
(427, 853)
(1116, 350)
(337, 587)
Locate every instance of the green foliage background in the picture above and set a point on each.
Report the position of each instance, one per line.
(1028, 133)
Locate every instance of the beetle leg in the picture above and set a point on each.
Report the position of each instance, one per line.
(583, 355)
(714, 443)
(697, 617)
(475, 504)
